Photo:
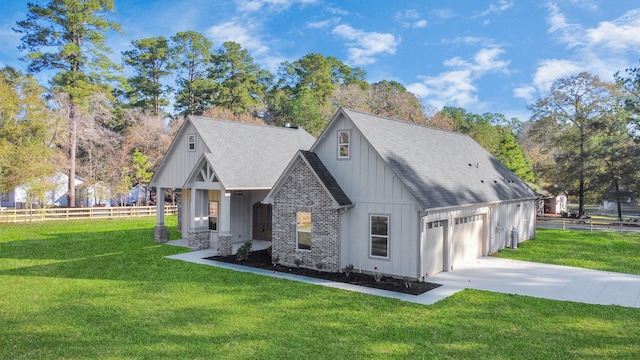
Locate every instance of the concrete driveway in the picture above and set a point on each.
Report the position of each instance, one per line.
(487, 273)
(543, 281)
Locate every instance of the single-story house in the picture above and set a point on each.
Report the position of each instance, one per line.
(395, 197)
(376, 193)
(223, 170)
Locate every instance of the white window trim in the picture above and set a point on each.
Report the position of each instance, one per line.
(347, 144)
(388, 237)
(217, 216)
(192, 139)
(298, 231)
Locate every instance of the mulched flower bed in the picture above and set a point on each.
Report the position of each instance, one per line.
(262, 259)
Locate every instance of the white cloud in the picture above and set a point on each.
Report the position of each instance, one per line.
(619, 34)
(273, 5)
(526, 92)
(364, 46)
(322, 24)
(502, 6)
(457, 86)
(411, 19)
(601, 50)
(240, 33)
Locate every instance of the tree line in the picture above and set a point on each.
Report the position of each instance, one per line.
(93, 121)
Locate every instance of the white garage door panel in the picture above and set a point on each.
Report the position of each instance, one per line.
(467, 239)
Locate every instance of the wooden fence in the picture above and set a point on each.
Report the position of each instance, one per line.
(50, 214)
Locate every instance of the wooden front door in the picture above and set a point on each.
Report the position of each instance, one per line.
(262, 222)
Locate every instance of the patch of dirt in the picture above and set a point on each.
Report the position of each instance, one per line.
(262, 259)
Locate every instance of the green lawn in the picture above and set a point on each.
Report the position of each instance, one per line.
(103, 289)
(610, 251)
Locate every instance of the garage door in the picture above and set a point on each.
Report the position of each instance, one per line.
(433, 255)
(467, 239)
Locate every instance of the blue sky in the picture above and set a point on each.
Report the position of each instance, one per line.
(485, 56)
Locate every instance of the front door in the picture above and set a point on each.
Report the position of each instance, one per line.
(262, 222)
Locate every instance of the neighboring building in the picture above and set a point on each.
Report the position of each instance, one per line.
(555, 204)
(56, 196)
(402, 199)
(138, 194)
(223, 170)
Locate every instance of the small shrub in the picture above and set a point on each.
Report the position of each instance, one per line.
(407, 282)
(270, 251)
(319, 265)
(275, 260)
(243, 251)
(377, 276)
(348, 269)
(298, 262)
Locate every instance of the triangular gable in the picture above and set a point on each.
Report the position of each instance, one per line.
(204, 175)
(169, 152)
(439, 168)
(338, 198)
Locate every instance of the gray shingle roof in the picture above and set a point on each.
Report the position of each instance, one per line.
(327, 179)
(249, 156)
(440, 168)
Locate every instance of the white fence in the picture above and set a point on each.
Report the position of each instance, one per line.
(29, 215)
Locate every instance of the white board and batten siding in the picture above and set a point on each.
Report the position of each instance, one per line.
(372, 186)
(505, 217)
(179, 161)
(242, 213)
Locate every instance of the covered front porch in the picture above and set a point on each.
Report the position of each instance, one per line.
(219, 219)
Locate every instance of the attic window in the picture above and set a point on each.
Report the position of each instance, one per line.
(344, 138)
(191, 141)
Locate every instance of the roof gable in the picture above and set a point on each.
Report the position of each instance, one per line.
(439, 168)
(244, 155)
(322, 174)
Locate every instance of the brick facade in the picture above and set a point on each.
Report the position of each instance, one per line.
(199, 239)
(160, 234)
(302, 191)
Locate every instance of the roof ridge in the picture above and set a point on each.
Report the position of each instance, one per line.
(264, 125)
(406, 122)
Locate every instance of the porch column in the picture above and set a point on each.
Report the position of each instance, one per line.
(198, 231)
(225, 242)
(160, 232)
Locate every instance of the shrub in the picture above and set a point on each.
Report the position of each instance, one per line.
(298, 262)
(348, 269)
(243, 251)
(319, 265)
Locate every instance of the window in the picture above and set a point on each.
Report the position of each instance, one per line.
(213, 215)
(303, 233)
(191, 140)
(343, 144)
(379, 236)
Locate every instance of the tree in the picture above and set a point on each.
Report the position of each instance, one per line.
(25, 154)
(193, 53)
(240, 83)
(151, 59)
(313, 79)
(384, 98)
(141, 171)
(72, 34)
(571, 118)
(630, 86)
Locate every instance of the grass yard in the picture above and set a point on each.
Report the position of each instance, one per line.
(103, 289)
(599, 250)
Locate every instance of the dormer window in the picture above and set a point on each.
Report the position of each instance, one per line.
(191, 142)
(344, 139)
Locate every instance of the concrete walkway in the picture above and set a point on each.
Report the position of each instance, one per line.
(487, 273)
